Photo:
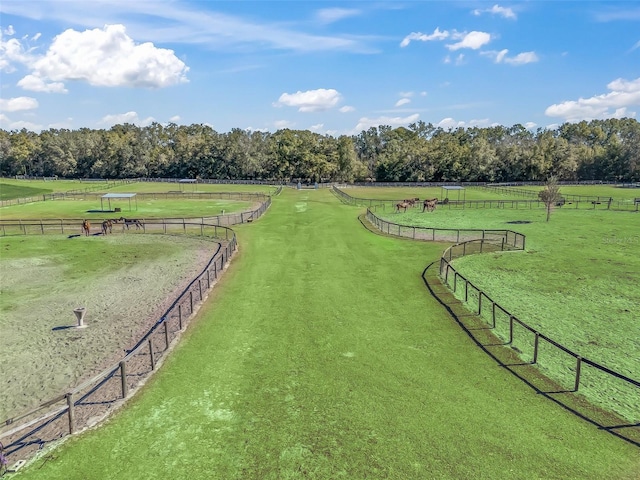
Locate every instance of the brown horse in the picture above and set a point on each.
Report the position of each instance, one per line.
(131, 221)
(107, 226)
(86, 227)
(402, 205)
(429, 205)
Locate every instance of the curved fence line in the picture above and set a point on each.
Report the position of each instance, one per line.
(92, 400)
(24, 227)
(517, 334)
(384, 204)
(40, 198)
(526, 340)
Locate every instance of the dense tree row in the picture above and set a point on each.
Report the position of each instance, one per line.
(597, 150)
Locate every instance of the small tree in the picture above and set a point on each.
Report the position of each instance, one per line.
(550, 196)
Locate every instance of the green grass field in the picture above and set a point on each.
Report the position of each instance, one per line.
(10, 191)
(576, 283)
(321, 355)
(146, 208)
(615, 192)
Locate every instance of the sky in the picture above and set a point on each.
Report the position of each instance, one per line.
(336, 68)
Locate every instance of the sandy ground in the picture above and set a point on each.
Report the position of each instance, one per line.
(42, 356)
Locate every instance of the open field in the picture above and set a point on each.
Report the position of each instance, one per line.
(399, 193)
(10, 191)
(146, 208)
(615, 192)
(577, 282)
(321, 355)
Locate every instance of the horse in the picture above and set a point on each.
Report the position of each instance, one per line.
(86, 227)
(131, 221)
(411, 201)
(402, 205)
(107, 225)
(429, 204)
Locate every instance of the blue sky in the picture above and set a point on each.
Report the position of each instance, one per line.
(330, 67)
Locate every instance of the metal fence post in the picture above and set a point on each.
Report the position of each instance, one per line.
(535, 348)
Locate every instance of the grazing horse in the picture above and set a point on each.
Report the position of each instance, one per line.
(402, 205)
(429, 205)
(86, 227)
(131, 221)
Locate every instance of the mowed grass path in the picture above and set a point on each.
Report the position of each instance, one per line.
(321, 355)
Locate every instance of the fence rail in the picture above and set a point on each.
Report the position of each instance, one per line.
(538, 348)
(93, 399)
(389, 204)
(535, 345)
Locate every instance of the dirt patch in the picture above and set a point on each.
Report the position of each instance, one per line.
(42, 355)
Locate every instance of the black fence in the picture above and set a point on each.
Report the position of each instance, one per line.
(95, 398)
(603, 386)
(389, 205)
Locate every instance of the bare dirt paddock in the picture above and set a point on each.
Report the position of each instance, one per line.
(129, 282)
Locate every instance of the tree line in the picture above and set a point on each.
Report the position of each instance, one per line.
(595, 150)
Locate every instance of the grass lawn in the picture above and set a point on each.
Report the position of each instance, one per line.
(400, 193)
(577, 282)
(10, 191)
(156, 187)
(146, 208)
(321, 355)
(617, 193)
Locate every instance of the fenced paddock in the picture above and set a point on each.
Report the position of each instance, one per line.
(576, 202)
(609, 389)
(91, 401)
(603, 386)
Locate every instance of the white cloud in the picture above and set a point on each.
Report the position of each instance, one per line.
(129, 117)
(9, 30)
(175, 119)
(17, 104)
(497, 10)
(316, 127)
(365, 123)
(188, 23)
(406, 94)
(530, 125)
(423, 37)
(310, 101)
(473, 40)
(520, 59)
(450, 123)
(36, 84)
(423, 94)
(402, 101)
(36, 36)
(279, 124)
(108, 57)
(330, 15)
(346, 109)
(7, 124)
(11, 52)
(615, 104)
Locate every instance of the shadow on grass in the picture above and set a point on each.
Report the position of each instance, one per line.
(526, 372)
